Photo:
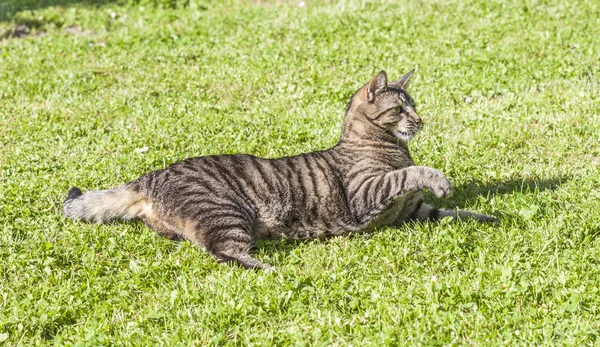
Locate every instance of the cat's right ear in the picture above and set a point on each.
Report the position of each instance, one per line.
(376, 85)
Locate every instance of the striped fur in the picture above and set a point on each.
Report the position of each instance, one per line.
(224, 202)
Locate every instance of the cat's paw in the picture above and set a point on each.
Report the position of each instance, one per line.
(438, 184)
(428, 178)
(488, 219)
(443, 189)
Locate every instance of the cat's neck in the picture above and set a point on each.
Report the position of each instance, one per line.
(379, 153)
(365, 140)
(357, 129)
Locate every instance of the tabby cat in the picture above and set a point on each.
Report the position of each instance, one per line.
(223, 203)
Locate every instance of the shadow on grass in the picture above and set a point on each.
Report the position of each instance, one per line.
(27, 24)
(474, 189)
(8, 8)
(23, 23)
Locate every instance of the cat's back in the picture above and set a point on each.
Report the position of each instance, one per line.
(257, 180)
(221, 175)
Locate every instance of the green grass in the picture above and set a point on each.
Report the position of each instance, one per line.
(509, 93)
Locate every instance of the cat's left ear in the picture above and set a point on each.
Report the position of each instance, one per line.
(404, 81)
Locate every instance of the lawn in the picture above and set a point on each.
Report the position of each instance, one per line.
(96, 93)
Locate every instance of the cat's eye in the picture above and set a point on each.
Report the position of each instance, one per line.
(399, 109)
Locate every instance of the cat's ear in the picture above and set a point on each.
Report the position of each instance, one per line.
(404, 81)
(376, 85)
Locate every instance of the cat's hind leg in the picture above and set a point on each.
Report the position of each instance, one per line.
(233, 244)
(163, 226)
(226, 235)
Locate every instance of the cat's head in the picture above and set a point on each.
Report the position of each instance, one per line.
(387, 107)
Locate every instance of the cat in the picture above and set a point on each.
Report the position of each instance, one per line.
(223, 203)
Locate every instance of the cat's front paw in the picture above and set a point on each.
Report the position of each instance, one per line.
(437, 183)
(443, 189)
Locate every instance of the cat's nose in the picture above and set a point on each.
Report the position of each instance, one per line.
(419, 122)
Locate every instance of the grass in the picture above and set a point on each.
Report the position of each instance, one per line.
(94, 94)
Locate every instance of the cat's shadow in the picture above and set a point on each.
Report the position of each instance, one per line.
(472, 190)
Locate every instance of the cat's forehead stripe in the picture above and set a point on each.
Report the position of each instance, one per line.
(400, 95)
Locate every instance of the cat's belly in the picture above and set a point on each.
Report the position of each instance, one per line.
(298, 227)
(273, 226)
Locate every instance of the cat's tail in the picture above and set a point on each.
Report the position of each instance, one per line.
(104, 205)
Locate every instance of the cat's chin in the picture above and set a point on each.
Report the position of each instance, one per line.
(403, 135)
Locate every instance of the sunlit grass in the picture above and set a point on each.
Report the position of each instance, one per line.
(96, 94)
